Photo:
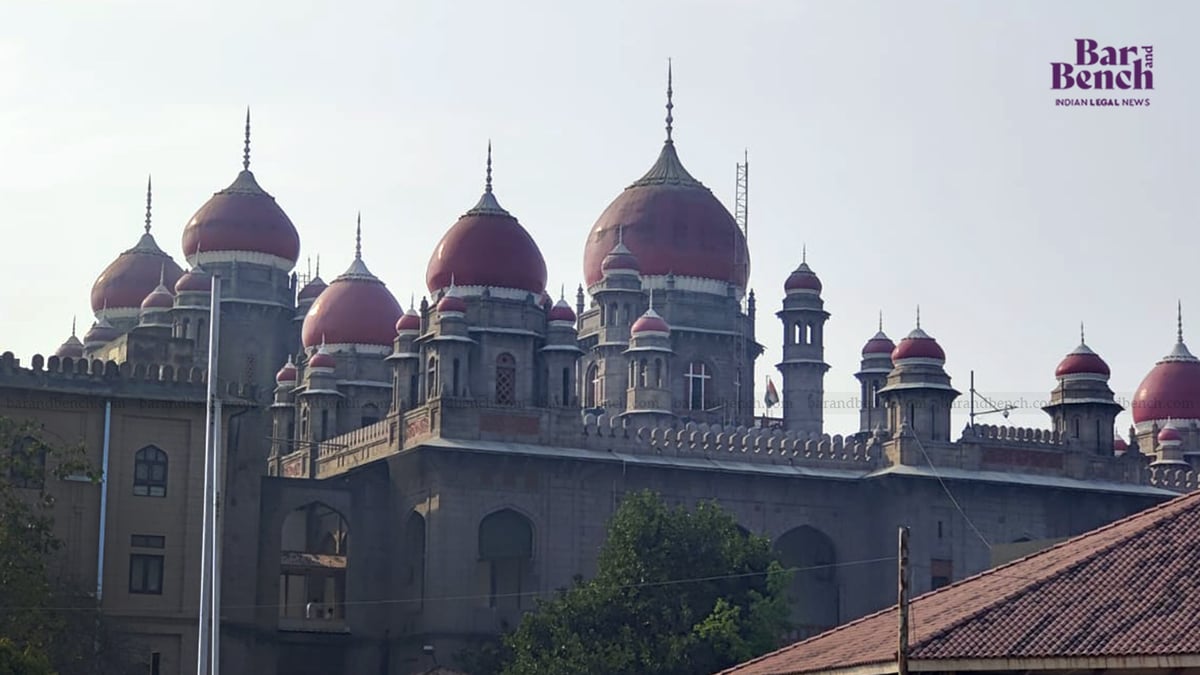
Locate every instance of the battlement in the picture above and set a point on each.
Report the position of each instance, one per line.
(992, 434)
(1174, 478)
(127, 379)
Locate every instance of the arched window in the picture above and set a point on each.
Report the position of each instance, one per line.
(505, 554)
(628, 313)
(27, 464)
(431, 376)
(591, 391)
(1076, 434)
(875, 395)
(414, 388)
(613, 317)
(506, 380)
(566, 387)
(697, 386)
(813, 593)
(370, 414)
(797, 336)
(314, 545)
(304, 423)
(454, 383)
(643, 374)
(602, 313)
(808, 334)
(150, 472)
(658, 373)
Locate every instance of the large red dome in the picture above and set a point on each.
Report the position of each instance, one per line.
(356, 308)
(487, 247)
(918, 345)
(134, 275)
(673, 225)
(1082, 361)
(242, 217)
(1171, 390)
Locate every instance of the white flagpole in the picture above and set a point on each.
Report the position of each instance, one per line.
(212, 431)
(217, 492)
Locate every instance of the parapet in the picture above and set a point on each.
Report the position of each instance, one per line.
(125, 380)
(1026, 436)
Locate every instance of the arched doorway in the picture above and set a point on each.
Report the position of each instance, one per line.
(312, 569)
(813, 594)
(505, 557)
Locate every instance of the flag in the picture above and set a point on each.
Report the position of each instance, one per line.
(772, 397)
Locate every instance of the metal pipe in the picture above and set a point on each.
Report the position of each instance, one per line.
(217, 483)
(103, 502)
(212, 428)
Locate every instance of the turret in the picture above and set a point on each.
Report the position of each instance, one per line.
(650, 364)
(918, 396)
(872, 376)
(1082, 406)
(803, 366)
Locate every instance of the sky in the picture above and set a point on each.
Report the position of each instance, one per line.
(914, 148)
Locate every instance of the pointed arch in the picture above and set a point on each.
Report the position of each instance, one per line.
(150, 466)
(505, 559)
(314, 548)
(813, 595)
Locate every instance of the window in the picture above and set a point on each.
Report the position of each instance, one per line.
(643, 374)
(370, 414)
(592, 392)
(150, 472)
(697, 386)
(454, 383)
(155, 663)
(145, 574)
(566, 387)
(414, 389)
(1076, 427)
(27, 464)
(506, 380)
(808, 334)
(875, 395)
(658, 373)
(613, 317)
(148, 541)
(939, 529)
(431, 378)
(941, 573)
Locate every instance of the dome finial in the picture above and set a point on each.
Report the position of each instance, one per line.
(562, 293)
(881, 321)
(148, 194)
(487, 186)
(918, 316)
(670, 105)
(1179, 321)
(246, 149)
(804, 254)
(412, 301)
(651, 299)
(318, 264)
(73, 326)
(620, 235)
(162, 275)
(358, 238)
(1081, 340)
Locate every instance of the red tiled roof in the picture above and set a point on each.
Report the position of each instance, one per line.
(1128, 589)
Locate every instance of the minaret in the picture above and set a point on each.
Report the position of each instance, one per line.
(872, 376)
(405, 360)
(918, 396)
(649, 358)
(1082, 406)
(803, 366)
(561, 355)
(620, 298)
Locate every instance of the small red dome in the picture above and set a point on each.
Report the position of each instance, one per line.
(1119, 444)
(802, 279)
(322, 360)
(194, 280)
(355, 309)
(918, 345)
(561, 311)
(286, 374)
(672, 224)
(451, 303)
(409, 322)
(1082, 361)
(487, 247)
(1170, 434)
(312, 289)
(242, 217)
(134, 275)
(159, 298)
(1171, 390)
(101, 332)
(620, 259)
(879, 344)
(650, 322)
(72, 348)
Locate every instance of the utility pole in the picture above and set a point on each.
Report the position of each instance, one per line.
(902, 603)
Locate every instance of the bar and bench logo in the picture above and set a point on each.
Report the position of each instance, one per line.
(1102, 68)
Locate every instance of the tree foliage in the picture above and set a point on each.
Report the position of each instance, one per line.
(677, 591)
(48, 616)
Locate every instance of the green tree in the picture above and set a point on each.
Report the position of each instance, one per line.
(678, 591)
(46, 613)
(26, 661)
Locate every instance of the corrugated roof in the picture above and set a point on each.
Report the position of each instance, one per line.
(1127, 589)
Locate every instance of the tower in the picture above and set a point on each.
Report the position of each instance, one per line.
(560, 356)
(648, 395)
(1082, 405)
(872, 376)
(803, 366)
(918, 396)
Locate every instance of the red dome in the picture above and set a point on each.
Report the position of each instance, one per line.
(1120, 445)
(286, 374)
(242, 217)
(649, 322)
(355, 309)
(1170, 435)
(1171, 390)
(561, 311)
(322, 360)
(101, 332)
(620, 258)
(802, 279)
(159, 298)
(134, 275)
(410, 321)
(72, 348)
(452, 303)
(194, 280)
(487, 247)
(918, 345)
(672, 224)
(879, 344)
(312, 289)
(1082, 361)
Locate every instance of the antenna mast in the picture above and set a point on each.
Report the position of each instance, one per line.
(741, 209)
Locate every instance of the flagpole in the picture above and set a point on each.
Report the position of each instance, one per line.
(212, 430)
(218, 476)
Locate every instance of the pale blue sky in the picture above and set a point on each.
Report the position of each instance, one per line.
(913, 146)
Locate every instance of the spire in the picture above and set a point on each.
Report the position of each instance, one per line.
(620, 235)
(73, 326)
(918, 317)
(162, 275)
(148, 193)
(1179, 321)
(412, 301)
(651, 299)
(246, 149)
(803, 254)
(487, 185)
(881, 321)
(670, 105)
(562, 293)
(1081, 340)
(318, 265)
(358, 238)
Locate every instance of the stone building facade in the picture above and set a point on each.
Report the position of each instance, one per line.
(402, 479)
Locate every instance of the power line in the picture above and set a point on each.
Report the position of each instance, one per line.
(950, 494)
